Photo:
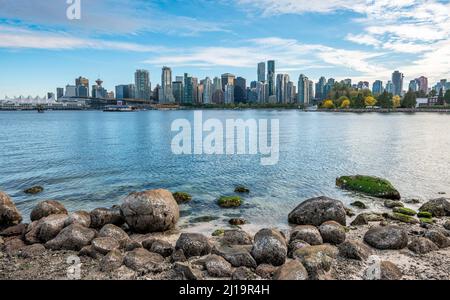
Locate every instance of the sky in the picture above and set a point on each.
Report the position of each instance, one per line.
(41, 48)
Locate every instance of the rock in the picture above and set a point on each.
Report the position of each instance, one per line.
(104, 245)
(243, 273)
(354, 250)
(143, 261)
(438, 207)
(425, 222)
(266, 271)
(236, 237)
(13, 246)
(150, 211)
(369, 185)
(332, 232)
(31, 233)
(401, 217)
(307, 233)
(186, 272)
(182, 197)
(349, 212)
(49, 227)
(386, 237)
(447, 225)
(393, 203)
(237, 221)
(217, 266)
(89, 251)
(117, 233)
(241, 189)
(412, 201)
(389, 271)
(2, 242)
(46, 208)
(425, 215)
(103, 216)
(365, 218)
(292, 270)
(405, 211)
(34, 190)
(125, 273)
(229, 201)
(9, 214)
(317, 259)
(131, 245)
(32, 251)
(295, 245)
(163, 248)
(422, 245)
(193, 244)
(111, 261)
(79, 217)
(438, 238)
(236, 255)
(15, 230)
(316, 211)
(359, 204)
(73, 237)
(204, 219)
(178, 256)
(269, 247)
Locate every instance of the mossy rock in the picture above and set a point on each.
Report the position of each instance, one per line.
(229, 201)
(241, 189)
(218, 232)
(425, 214)
(402, 218)
(204, 219)
(369, 185)
(182, 197)
(426, 220)
(237, 221)
(405, 211)
(359, 204)
(34, 190)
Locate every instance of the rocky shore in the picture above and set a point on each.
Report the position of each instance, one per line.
(139, 239)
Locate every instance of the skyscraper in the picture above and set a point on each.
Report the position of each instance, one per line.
(377, 87)
(177, 87)
(282, 88)
(59, 93)
(320, 85)
(227, 79)
(271, 77)
(328, 87)
(207, 91)
(261, 92)
(423, 84)
(290, 92)
(311, 91)
(217, 84)
(261, 71)
(240, 88)
(142, 83)
(82, 87)
(166, 86)
(397, 81)
(390, 87)
(229, 94)
(188, 89)
(413, 86)
(303, 90)
(98, 91)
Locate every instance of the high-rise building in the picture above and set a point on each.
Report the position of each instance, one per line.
(166, 86)
(271, 77)
(320, 86)
(142, 83)
(282, 88)
(218, 96)
(82, 87)
(413, 86)
(363, 85)
(59, 93)
(188, 89)
(303, 90)
(261, 71)
(195, 89)
(200, 90)
(82, 81)
(240, 88)
(328, 87)
(217, 84)
(177, 87)
(125, 91)
(179, 78)
(71, 91)
(423, 84)
(347, 82)
(390, 87)
(229, 94)
(261, 92)
(397, 81)
(207, 91)
(291, 90)
(311, 91)
(98, 91)
(377, 87)
(227, 79)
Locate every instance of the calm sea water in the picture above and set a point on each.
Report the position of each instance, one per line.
(94, 159)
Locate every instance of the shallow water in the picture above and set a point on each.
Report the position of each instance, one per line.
(92, 159)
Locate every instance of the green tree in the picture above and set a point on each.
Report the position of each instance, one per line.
(384, 100)
(433, 93)
(447, 96)
(359, 101)
(410, 100)
(441, 97)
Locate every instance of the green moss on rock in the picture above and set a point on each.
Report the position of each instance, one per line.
(182, 197)
(425, 214)
(229, 201)
(426, 220)
(405, 211)
(241, 189)
(218, 232)
(401, 217)
(369, 185)
(34, 190)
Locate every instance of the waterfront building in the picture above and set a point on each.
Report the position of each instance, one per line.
(59, 93)
(227, 79)
(200, 90)
(413, 86)
(71, 91)
(328, 87)
(195, 89)
(217, 84)
(98, 91)
(291, 91)
(320, 86)
(282, 88)
(177, 87)
(271, 76)
(82, 85)
(229, 94)
(262, 72)
(261, 92)
(188, 97)
(377, 87)
(311, 91)
(207, 91)
(240, 88)
(390, 87)
(50, 95)
(142, 83)
(303, 95)
(166, 86)
(423, 84)
(347, 82)
(397, 81)
(218, 96)
(125, 91)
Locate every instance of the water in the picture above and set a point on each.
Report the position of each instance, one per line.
(94, 159)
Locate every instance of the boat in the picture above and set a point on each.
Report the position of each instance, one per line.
(118, 108)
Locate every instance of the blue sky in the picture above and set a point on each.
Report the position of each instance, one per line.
(41, 49)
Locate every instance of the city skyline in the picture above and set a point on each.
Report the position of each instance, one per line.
(40, 49)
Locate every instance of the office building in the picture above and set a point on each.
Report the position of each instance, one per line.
(240, 88)
(262, 72)
(188, 89)
(177, 87)
(227, 79)
(271, 77)
(282, 88)
(303, 95)
(397, 81)
(142, 83)
(377, 87)
(320, 88)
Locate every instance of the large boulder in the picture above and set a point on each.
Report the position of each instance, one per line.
(104, 245)
(217, 266)
(49, 227)
(9, 214)
(438, 238)
(269, 247)
(79, 217)
(150, 211)
(186, 272)
(117, 233)
(236, 237)
(365, 218)
(295, 245)
(161, 247)
(141, 260)
(383, 270)
(307, 233)
(438, 207)
(292, 270)
(103, 216)
(317, 259)
(316, 211)
(369, 185)
(332, 232)
(74, 237)
(422, 245)
(236, 255)
(46, 208)
(193, 244)
(111, 261)
(15, 230)
(386, 237)
(353, 249)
